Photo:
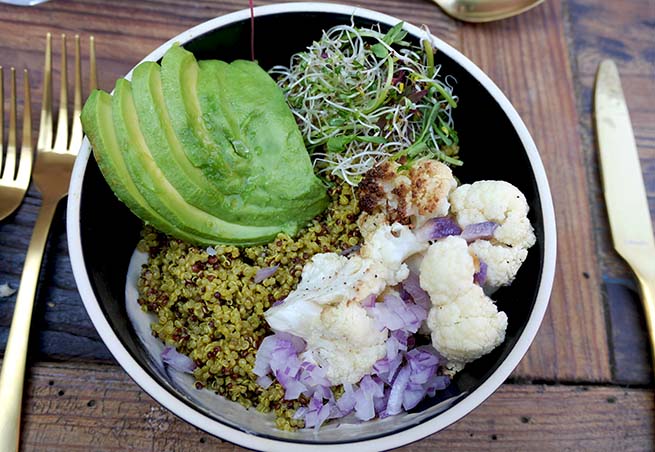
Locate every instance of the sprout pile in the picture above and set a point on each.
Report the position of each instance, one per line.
(361, 96)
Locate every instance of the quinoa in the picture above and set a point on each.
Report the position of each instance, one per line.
(210, 308)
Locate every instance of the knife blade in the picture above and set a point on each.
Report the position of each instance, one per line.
(623, 186)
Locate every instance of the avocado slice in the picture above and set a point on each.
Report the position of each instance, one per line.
(179, 74)
(206, 152)
(242, 103)
(97, 122)
(212, 139)
(170, 157)
(158, 191)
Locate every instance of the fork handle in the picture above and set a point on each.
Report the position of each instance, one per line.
(13, 364)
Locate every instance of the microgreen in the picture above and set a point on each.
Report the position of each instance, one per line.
(361, 96)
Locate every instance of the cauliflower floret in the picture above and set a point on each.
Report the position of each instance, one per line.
(386, 189)
(390, 246)
(324, 309)
(464, 323)
(407, 197)
(446, 270)
(467, 328)
(496, 201)
(432, 183)
(502, 262)
(348, 344)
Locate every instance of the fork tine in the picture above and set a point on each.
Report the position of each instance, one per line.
(92, 64)
(61, 139)
(45, 127)
(10, 155)
(26, 154)
(76, 132)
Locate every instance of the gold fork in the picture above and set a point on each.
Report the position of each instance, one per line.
(52, 171)
(13, 184)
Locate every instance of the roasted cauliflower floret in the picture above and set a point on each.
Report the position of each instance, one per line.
(407, 196)
(386, 189)
(432, 183)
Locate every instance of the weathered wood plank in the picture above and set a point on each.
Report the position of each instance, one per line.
(93, 407)
(527, 57)
(624, 32)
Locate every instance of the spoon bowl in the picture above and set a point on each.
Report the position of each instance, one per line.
(485, 10)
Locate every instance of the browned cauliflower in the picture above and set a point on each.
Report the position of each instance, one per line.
(406, 196)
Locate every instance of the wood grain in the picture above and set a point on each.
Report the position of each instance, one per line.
(527, 57)
(624, 32)
(92, 407)
(545, 61)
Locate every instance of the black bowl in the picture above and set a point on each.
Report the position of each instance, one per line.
(103, 235)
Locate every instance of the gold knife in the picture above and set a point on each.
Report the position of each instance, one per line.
(623, 183)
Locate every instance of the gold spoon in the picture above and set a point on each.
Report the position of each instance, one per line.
(485, 10)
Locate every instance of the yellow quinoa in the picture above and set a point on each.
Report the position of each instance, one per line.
(210, 308)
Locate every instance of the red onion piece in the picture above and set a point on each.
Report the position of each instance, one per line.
(480, 277)
(412, 286)
(479, 231)
(394, 405)
(396, 314)
(352, 249)
(369, 301)
(437, 228)
(177, 360)
(264, 273)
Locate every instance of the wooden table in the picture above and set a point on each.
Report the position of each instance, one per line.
(586, 382)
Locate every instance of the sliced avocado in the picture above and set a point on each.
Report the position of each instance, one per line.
(97, 122)
(210, 153)
(210, 132)
(158, 191)
(240, 101)
(170, 157)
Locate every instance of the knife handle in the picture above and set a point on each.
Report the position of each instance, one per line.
(648, 299)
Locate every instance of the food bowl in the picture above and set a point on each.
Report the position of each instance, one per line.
(103, 234)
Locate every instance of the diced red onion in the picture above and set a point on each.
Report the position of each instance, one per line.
(275, 352)
(394, 405)
(352, 249)
(436, 383)
(477, 231)
(317, 412)
(346, 402)
(437, 228)
(395, 314)
(177, 360)
(369, 389)
(412, 397)
(369, 301)
(264, 381)
(312, 375)
(264, 273)
(480, 277)
(413, 287)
